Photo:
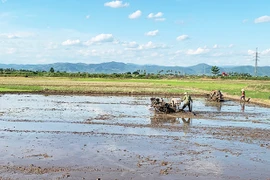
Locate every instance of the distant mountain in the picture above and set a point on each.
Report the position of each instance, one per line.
(119, 67)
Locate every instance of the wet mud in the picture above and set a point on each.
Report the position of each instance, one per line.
(122, 137)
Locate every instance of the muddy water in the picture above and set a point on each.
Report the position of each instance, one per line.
(121, 137)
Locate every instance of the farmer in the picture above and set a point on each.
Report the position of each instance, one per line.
(219, 94)
(187, 99)
(243, 96)
(216, 95)
(214, 92)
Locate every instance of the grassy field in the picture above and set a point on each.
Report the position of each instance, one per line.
(257, 90)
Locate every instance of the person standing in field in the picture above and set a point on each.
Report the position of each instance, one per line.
(243, 96)
(219, 94)
(213, 93)
(187, 100)
(216, 95)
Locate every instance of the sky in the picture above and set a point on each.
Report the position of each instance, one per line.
(156, 32)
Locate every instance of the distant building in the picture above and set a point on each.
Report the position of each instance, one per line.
(224, 74)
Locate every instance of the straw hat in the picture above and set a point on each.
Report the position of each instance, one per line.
(243, 90)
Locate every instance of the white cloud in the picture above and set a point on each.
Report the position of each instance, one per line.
(10, 50)
(112, 52)
(135, 15)
(87, 16)
(101, 38)
(151, 45)
(251, 52)
(152, 15)
(179, 52)
(5, 15)
(215, 46)
(88, 52)
(262, 19)
(48, 43)
(132, 44)
(152, 33)
(12, 36)
(154, 54)
(116, 4)
(179, 22)
(156, 17)
(182, 37)
(230, 46)
(245, 21)
(266, 52)
(9, 36)
(160, 19)
(197, 51)
(71, 42)
(3, 1)
(218, 54)
(16, 35)
(101, 53)
(51, 45)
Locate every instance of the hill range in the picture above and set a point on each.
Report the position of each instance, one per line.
(119, 67)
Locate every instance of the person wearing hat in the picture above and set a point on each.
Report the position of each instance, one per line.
(243, 96)
(187, 99)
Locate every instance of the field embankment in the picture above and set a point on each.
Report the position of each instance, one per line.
(258, 91)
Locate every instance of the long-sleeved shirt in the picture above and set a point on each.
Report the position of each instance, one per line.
(187, 99)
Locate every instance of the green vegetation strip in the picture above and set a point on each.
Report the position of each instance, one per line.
(19, 88)
(254, 88)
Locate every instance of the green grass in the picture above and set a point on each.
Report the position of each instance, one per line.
(254, 88)
(19, 88)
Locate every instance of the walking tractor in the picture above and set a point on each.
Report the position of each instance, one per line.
(166, 107)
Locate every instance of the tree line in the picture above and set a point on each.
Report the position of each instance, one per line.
(138, 74)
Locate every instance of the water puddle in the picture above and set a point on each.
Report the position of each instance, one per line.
(104, 136)
(125, 110)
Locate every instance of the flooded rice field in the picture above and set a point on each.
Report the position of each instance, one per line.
(121, 137)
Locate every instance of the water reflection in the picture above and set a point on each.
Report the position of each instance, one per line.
(165, 119)
(186, 125)
(242, 104)
(216, 105)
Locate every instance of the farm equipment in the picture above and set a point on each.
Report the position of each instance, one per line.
(161, 106)
(215, 96)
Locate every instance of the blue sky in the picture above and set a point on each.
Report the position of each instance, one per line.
(161, 32)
